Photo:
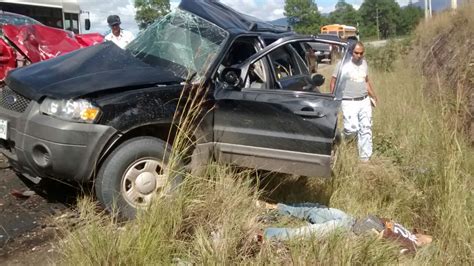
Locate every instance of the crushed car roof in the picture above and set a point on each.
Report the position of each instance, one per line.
(229, 19)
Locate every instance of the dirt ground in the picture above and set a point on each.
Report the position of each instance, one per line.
(27, 217)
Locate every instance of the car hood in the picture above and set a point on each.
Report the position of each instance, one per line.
(39, 42)
(85, 71)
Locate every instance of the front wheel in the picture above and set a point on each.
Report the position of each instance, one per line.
(133, 175)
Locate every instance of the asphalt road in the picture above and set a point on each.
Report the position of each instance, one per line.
(377, 44)
(27, 211)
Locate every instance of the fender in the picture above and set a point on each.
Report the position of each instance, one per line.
(7, 59)
(127, 110)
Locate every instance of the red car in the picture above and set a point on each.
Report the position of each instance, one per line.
(24, 40)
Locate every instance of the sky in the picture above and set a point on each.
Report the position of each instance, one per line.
(266, 10)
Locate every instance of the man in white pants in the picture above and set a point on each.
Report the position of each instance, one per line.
(356, 103)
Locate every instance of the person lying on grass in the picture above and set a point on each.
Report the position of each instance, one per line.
(324, 220)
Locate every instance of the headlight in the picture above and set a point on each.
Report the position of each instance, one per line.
(79, 110)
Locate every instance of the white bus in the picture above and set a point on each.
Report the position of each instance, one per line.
(62, 14)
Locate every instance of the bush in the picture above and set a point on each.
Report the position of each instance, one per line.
(383, 58)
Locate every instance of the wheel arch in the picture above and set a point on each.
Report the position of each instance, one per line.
(163, 130)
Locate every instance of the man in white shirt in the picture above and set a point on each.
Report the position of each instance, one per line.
(356, 101)
(118, 35)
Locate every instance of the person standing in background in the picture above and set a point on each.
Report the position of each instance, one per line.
(312, 60)
(118, 35)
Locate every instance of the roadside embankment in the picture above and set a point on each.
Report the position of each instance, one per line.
(444, 51)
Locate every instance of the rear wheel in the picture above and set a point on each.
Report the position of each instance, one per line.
(133, 175)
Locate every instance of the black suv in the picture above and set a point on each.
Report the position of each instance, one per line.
(104, 114)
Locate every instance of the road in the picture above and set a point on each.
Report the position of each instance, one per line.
(377, 44)
(27, 214)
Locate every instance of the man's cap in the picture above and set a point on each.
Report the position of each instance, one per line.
(113, 20)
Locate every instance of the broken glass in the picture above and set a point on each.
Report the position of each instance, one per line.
(181, 42)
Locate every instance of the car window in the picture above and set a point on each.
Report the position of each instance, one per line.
(299, 67)
(285, 62)
(288, 67)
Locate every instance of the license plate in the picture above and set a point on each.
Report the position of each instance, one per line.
(3, 129)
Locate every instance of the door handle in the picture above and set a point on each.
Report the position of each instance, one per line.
(317, 114)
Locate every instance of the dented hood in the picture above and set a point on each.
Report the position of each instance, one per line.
(39, 42)
(93, 69)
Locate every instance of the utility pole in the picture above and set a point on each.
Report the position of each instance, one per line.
(431, 9)
(377, 18)
(454, 4)
(426, 10)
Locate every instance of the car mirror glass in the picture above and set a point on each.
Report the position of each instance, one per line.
(317, 80)
(231, 76)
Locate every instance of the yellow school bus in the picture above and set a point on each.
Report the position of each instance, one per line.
(343, 31)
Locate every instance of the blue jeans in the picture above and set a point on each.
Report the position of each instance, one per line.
(322, 220)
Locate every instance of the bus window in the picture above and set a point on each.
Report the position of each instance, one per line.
(71, 22)
(45, 15)
(48, 12)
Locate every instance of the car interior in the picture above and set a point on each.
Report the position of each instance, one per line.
(287, 63)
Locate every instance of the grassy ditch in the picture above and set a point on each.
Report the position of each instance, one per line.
(420, 176)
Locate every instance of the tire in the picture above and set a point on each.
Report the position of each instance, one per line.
(132, 176)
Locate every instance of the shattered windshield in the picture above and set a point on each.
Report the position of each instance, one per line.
(181, 42)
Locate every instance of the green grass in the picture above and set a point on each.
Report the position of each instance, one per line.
(420, 176)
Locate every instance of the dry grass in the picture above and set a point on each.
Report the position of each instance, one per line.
(421, 176)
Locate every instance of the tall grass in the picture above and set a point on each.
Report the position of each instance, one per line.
(422, 173)
(211, 219)
(420, 176)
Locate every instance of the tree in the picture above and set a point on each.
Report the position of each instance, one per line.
(150, 10)
(385, 12)
(303, 16)
(344, 13)
(409, 18)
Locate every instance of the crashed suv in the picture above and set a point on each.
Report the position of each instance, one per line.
(104, 114)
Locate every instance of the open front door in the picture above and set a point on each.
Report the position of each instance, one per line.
(276, 117)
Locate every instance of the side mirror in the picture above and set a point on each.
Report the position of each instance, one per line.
(317, 79)
(87, 24)
(230, 76)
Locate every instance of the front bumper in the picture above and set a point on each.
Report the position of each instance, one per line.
(38, 145)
